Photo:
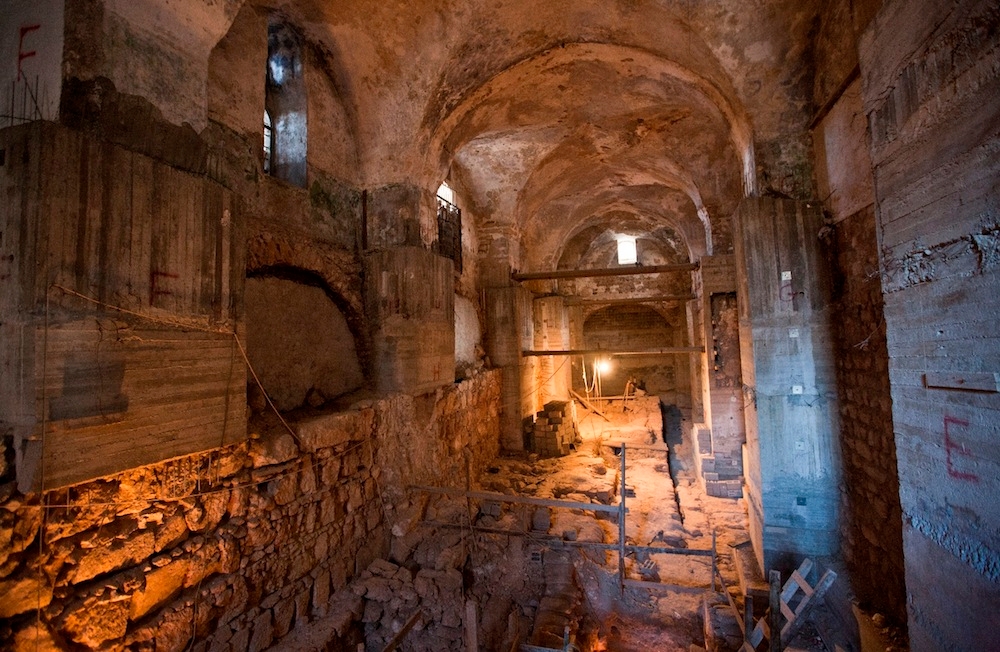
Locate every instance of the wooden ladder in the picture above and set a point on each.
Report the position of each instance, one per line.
(787, 603)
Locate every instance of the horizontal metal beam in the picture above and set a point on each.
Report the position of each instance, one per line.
(670, 350)
(523, 500)
(663, 298)
(557, 540)
(607, 271)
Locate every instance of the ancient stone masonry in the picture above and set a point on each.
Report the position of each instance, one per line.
(232, 547)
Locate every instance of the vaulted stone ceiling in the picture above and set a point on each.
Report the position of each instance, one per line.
(555, 117)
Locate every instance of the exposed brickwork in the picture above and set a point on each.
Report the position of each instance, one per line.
(872, 524)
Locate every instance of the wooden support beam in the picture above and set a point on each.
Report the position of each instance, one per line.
(663, 298)
(524, 500)
(774, 626)
(559, 541)
(668, 350)
(607, 271)
(590, 407)
(621, 526)
(398, 638)
(664, 586)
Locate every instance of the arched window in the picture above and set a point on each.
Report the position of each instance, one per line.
(268, 142)
(449, 219)
(285, 104)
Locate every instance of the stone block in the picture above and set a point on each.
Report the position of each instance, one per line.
(118, 554)
(263, 633)
(22, 595)
(332, 430)
(92, 625)
(273, 448)
(161, 585)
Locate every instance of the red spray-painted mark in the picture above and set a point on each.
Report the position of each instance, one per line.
(950, 446)
(23, 54)
(154, 285)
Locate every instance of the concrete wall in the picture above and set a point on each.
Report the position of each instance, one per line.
(509, 331)
(236, 545)
(120, 308)
(929, 84)
(468, 338)
(31, 53)
(793, 457)
(551, 330)
(410, 305)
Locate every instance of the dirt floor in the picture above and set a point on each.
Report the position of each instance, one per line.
(665, 509)
(537, 573)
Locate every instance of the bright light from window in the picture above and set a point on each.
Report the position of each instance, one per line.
(446, 193)
(627, 254)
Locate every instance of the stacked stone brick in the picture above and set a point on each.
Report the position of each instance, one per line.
(722, 470)
(554, 429)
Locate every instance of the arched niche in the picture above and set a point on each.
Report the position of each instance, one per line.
(298, 339)
(637, 328)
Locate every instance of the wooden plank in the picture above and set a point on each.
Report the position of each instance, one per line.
(661, 298)
(774, 624)
(621, 523)
(654, 550)
(608, 271)
(791, 587)
(793, 626)
(669, 350)
(471, 627)
(524, 500)
(663, 586)
(968, 381)
(589, 406)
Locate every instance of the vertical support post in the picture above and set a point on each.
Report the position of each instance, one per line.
(774, 616)
(566, 639)
(621, 527)
(713, 560)
(748, 624)
(471, 627)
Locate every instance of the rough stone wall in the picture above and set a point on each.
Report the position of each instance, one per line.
(871, 528)
(232, 547)
(633, 328)
(930, 81)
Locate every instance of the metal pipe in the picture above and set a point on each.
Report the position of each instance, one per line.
(667, 350)
(606, 271)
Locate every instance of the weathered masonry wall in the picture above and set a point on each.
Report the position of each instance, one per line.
(120, 294)
(930, 86)
(237, 545)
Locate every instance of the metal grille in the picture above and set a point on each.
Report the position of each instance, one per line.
(449, 242)
(22, 104)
